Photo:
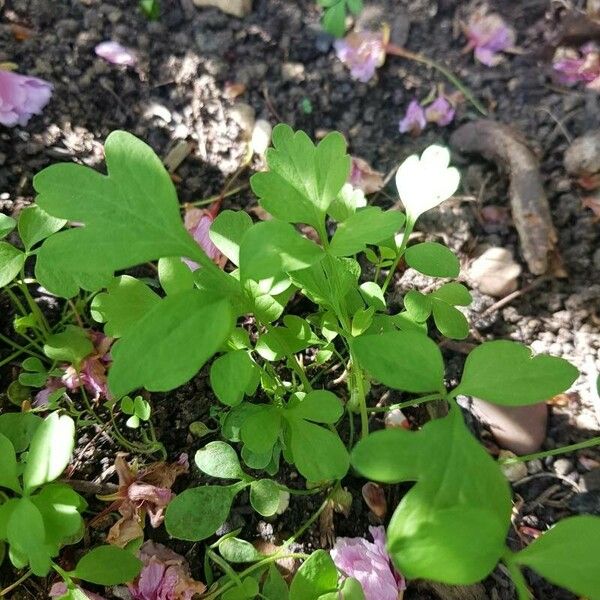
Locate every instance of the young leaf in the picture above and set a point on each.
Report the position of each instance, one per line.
(567, 555)
(19, 428)
(417, 305)
(316, 576)
(219, 459)
(11, 261)
(50, 451)
(505, 372)
(373, 295)
(8, 468)
(453, 293)
(351, 590)
(272, 249)
(237, 551)
(260, 429)
(125, 302)
(264, 497)
(355, 6)
(275, 587)
(174, 275)
(450, 321)
(36, 225)
(108, 565)
(334, 19)
(227, 231)
(7, 224)
(368, 226)
(247, 591)
(303, 180)
(131, 216)
(197, 513)
(232, 375)
(451, 526)
(278, 342)
(71, 345)
(319, 406)
(403, 360)
(151, 355)
(433, 259)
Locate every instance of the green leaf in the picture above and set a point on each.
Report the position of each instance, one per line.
(417, 305)
(355, 6)
(219, 459)
(174, 275)
(450, 321)
(26, 536)
(352, 590)
(453, 293)
(362, 320)
(7, 224)
(50, 451)
(264, 497)
(227, 232)
(433, 259)
(403, 360)
(108, 565)
(11, 261)
(233, 375)
(170, 343)
(451, 526)
(260, 429)
(246, 591)
(197, 513)
(373, 295)
(567, 555)
(19, 428)
(319, 454)
(36, 225)
(71, 345)
(334, 19)
(8, 467)
(319, 406)
(142, 408)
(368, 226)
(303, 180)
(237, 551)
(315, 577)
(345, 203)
(278, 342)
(130, 216)
(271, 249)
(505, 372)
(125, 302)
(275, 587)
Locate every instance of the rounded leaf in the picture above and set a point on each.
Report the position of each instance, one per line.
(433, 259)
(108, 565)
(219, 459)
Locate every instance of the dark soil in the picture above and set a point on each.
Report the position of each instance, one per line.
(284, 59)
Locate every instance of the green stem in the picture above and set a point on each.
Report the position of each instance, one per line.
(206, 201)
(564, 450)
(408, 403)
(35, 309)
(5, 591)
(233, 576)
(518, 579)
(21, 349)
(15, 300)
(407, 231)
(455, 81)
(358, 387)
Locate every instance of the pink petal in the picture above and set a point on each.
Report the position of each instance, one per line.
(115, 53)
(198, 223)
(414, 121)
(21, 97)
(440, 111)
(362, 52)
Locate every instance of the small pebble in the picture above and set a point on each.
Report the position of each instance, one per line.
(495, 272)
(562, 466)
(512, 471)
(534, 466)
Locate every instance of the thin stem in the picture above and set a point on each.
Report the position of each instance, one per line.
(233, 576)
(15, 300)
(358, 390)
(35, 309)
(564, 450)
(407, 231)
(5, 591)
(211, 199)
(518, 579)
(401, 405)
(310, 521)
(455, 81)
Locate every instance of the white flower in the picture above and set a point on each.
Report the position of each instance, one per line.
(426, 182)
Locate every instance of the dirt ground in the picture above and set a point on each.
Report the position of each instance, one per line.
(188, 61)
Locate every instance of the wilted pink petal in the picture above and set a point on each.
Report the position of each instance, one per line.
(154, 499)
(488, 35)
(572, 67)
(21, 97)
(440, 112)
(59, 589)
(198, 223)
(362, 52)
(370, 564)
(43, 396)
(414, 121)
(364, 177)
(116, 54)
(165, 576)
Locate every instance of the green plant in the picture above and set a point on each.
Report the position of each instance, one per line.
(268, 375)
(334, 15)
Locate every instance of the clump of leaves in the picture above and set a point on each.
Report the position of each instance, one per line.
(452, 525)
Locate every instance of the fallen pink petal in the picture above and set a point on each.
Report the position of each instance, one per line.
(21, 97)
(572, 67)
(165, 576)
(198, 223)
(364, 177)
(488, 35)
(362, 52)
(414, 121)
(115, 53)
(370, 564)
(440, 112)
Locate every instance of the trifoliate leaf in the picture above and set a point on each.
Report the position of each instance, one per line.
(130, 216)
(453, 293)
(303, 180)
(169, 345)
(450, 321)
(232, 376)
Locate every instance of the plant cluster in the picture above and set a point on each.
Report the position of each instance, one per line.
(321, 248)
